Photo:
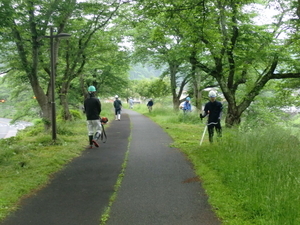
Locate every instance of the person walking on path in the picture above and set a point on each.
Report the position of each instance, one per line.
(130, 103)
(187, 105)
(150, 104)
(118, 107)
(92, 109)
(213, 109)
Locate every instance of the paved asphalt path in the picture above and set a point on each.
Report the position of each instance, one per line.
(158, 187)
(79, 194)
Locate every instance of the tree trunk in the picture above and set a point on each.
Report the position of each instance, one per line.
(66, 115)
(198, 98)
(232, 120)
(196, 80)
(233, 117)
(44, 102)
(197, 90)
(176, 103)
(63, 93)
(173, 67)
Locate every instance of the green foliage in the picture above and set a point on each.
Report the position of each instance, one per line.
(37, 128)
(241, 55)
(76, 114)
(92, 46)
(19, 104)
(154, 88)
(250, 176)
(271, 106)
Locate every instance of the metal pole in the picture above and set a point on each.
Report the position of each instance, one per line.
(53, 110)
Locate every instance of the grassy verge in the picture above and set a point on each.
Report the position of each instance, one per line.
(28, 160)
(250, 177)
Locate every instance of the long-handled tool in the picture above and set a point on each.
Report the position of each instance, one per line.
(205, 131)
(203, 135)
(103, 121)
(103, 135)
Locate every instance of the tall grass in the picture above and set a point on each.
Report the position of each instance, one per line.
(261, 168)
(251, 177)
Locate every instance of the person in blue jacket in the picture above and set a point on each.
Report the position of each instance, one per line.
(213, 109)
(187, 107)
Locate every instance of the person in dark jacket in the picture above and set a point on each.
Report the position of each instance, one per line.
(150, 104)
(92, 109)
(118, 107)
(213, 109)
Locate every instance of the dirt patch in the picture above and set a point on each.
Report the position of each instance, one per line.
(191, 180)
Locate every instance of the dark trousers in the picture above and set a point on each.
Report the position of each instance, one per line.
(211, 127)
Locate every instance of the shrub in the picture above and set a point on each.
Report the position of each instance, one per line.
(76, 114)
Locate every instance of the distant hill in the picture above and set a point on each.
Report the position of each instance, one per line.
(139, 72)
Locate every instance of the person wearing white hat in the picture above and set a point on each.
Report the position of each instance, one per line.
(118, 107)
(213, 109)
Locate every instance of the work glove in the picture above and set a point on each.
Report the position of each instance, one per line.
(201, 116)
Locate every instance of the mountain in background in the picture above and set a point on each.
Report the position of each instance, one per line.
(140, 71)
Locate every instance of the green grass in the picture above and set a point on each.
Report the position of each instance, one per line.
(28, 160)
(250, 177)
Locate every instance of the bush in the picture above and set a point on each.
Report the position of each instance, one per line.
(76, 114)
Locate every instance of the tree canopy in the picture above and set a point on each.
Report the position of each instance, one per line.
(222, 40)
(25, 25)
(195, 44)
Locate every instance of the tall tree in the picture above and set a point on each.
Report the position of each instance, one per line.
(167, 40)
(162, 47)
(27, 22)
(89, 20)
(239, 53)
